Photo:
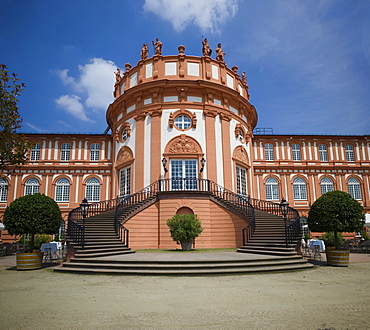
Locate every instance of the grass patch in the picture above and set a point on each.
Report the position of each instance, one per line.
(191, 251)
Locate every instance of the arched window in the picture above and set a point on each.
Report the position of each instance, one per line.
(354, 188)
(32, 186)
(93, 190)
(299, 188)
(3, 190)
(326, 185)
(94, 152)
(272, 189)
(62, 190)
(269, 151)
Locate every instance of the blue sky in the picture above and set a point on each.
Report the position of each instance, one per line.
(307, 62)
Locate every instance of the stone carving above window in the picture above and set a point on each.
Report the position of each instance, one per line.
(183, 145)
(241, 155)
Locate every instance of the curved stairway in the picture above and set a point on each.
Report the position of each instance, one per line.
(105, 254)
(269, 237)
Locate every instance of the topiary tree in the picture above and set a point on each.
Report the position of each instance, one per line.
(32, 214)
(184, 227)
(337, 212)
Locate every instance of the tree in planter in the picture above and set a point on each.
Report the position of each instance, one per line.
(184, 228)
(337, 212)
(32, 214)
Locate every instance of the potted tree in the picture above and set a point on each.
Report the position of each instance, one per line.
(32, 214)
(337, 212)
(184, 229)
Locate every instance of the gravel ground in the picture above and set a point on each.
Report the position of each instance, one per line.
(321, 298)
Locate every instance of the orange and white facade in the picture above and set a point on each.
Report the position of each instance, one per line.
(185, 117)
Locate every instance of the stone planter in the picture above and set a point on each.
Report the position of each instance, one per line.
(337, 257)
(186, 246)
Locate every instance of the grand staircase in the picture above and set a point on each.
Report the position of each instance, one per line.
(269, 237)
(100, 238)
(105, 254)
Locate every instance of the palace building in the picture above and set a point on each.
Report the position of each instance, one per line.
(182, 128)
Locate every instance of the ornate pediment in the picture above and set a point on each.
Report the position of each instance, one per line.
(125, 155)
(241, 155)
(183, 145)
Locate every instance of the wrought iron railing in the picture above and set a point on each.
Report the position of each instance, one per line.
(126, 206)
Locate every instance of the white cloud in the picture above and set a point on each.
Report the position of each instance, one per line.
(72, 104)
(208, 15)
(91, 90)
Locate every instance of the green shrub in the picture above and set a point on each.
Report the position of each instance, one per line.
(184, 227)
(329, 239)
(32, 214)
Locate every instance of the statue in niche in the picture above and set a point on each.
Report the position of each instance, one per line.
(157, 46)
(205, 49)
(220, 53)
(144, 52)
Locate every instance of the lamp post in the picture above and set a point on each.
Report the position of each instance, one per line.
(84, 210)
(284, 210)
(164, 163)
(203, 163)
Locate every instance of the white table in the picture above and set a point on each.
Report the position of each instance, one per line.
(51, 249)
(319, 242)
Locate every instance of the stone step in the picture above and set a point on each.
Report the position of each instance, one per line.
(267, 251)
(97, 254)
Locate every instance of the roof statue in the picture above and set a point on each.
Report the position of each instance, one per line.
(244, 78)
(118, 76)
(220, 53)
(157, 46)
(205, 49)
(144, 51)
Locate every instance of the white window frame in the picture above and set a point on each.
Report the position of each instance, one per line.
(35, 153)
(350, 155)
(125, 181)
(32, 186)
(272, 189)
(241, 180)
(269, 151)
(299, 189)
(323, 152)
(94, 152)
(296, 152)
(354, 188)
(184, 174)
(93, 190)
(65, 152)
(326, 185)
(62, 190)
(4, 184)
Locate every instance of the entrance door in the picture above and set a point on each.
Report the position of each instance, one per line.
(184, 174)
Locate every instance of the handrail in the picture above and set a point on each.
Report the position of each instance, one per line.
(76, 229)
(126, 206)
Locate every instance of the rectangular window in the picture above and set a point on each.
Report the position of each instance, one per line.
(170, 68)
(170, 99)
(125, 181)
(147, 101)
(94, 152)
(296, 152)
(149, 70)
(229, 81)
(323, 153)
(65, 152)
(241, 180)
(217, 102)
(197, 99)
(269, 151)
(349, 153)
(131, 108)
(215, 71)
(35, 153)
(184, 174)
(193, 69)
(133, 79)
